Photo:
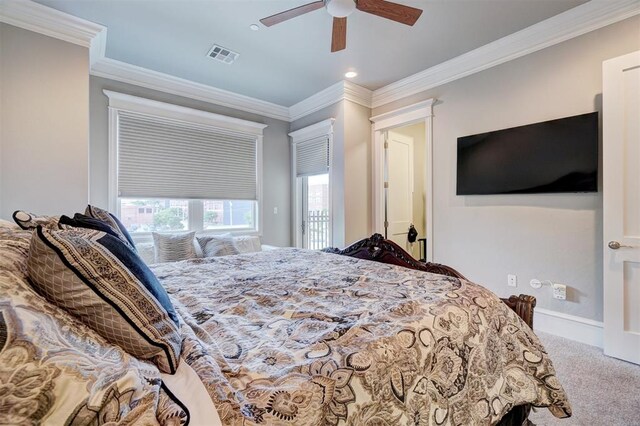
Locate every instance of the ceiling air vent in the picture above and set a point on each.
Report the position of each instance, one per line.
(222, 54)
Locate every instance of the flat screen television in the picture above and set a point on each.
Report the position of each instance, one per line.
(552, 156)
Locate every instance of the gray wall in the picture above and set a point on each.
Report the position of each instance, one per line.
(44, 113)
(555, 237)
(276, 155)
(357, 172)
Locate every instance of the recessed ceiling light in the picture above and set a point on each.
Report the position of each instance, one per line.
(254, 27)
(351, 74)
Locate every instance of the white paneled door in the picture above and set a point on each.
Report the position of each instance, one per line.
(621, 180)
(399, 170)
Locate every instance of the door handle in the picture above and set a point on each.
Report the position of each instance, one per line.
(614, 245)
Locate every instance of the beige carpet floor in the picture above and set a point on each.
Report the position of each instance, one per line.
(602, 391)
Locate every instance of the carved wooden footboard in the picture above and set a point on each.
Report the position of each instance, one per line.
(378, 249)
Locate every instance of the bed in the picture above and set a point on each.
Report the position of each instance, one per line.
(285, 337)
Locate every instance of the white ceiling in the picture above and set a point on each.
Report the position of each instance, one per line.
(291, 61)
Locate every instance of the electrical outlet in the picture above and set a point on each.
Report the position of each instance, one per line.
(275, 210)
(512, 280)
(560, 291)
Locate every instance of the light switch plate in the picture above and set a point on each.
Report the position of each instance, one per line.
(512, 280)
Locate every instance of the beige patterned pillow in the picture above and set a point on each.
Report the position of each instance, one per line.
(217, 245)
(97, 278)
(174, 247)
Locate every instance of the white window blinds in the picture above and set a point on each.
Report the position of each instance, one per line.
(163, 158)
(312, 157)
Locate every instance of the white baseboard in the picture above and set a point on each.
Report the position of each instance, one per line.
(570, 327)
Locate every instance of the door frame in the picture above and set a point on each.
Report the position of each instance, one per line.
(421, 112)
(322, 128)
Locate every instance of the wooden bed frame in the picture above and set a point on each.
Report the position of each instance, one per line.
(378, 249)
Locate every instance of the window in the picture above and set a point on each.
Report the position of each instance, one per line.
(178, 169)
(162, 215)
(228, 215)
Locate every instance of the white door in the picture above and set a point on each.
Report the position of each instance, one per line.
(621, 224)
(399, 199)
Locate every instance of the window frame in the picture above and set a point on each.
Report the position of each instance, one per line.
(122, 102)
(196, 222)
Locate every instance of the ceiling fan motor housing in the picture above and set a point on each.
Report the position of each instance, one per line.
(340, 8)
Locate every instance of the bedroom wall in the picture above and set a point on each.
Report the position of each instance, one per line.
(44, 108)
(276, 155)
(357, 172)
(555, 237)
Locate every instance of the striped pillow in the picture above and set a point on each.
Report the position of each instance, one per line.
(111, 220)
(99, 279)
(174, 247)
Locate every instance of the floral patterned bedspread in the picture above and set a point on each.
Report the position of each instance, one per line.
(56, 371)
(296, 337)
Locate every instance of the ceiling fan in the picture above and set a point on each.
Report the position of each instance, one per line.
(340, 9)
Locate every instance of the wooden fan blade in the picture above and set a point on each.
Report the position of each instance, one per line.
(339, 38)
(396, 12)
(292, 13)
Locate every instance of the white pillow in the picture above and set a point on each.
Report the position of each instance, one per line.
(247, 243)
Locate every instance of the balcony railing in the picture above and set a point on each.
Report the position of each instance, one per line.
(318, 229)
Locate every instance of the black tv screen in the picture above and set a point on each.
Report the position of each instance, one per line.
(552, 156)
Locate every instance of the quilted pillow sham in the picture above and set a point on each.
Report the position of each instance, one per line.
(103, 215)
(99, 279)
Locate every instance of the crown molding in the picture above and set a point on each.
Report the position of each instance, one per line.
(572, 23)
(567, 25)
(53, 23)
(343, 90)
(322, 128)
(143, 77)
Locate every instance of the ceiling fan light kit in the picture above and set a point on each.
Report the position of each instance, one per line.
(340, 9)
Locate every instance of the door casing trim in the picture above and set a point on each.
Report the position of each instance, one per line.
(421, 112)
